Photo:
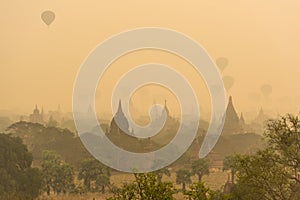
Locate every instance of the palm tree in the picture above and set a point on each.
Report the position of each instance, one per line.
(161, 172)
(200, 167)
(183, 177)
(229, 164)
(102, 181)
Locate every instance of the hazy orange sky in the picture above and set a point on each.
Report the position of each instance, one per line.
(259, 38)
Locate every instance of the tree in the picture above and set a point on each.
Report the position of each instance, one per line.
(102, 181)
(146, 187)
(159, 173)
(272, 173)
(57, 176)
(200, 167)
(183, 177)
(92, 172)
(197, 191)
(30, 183)
(260, 177)
(50, 161)
(283, 136)
(219, 195)
(17, 179)
(65, 183)
(229, 163)
(39, 138)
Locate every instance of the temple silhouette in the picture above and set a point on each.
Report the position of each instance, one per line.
(123, 135)
(233, 124)
(37, 116)
(123, 125)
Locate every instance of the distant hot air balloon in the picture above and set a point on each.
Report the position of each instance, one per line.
(266, 89)
(228, 82)
(48, 17)
(222, 63)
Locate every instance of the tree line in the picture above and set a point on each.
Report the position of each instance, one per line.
(269, 174)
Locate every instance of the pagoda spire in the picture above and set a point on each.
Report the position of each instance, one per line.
(123, 125)
(242, 117)
(242, 120)
(232, 120)
(230, 100)
(36, 110)
(120, 107)
(58, 108)
(261, 111)
(166, 108)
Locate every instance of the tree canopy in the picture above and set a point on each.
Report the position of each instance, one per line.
(200, 167)
(17, 179)
(94, 174)
(272, 173)
(57, 176)
(146, 187)
(183, 176)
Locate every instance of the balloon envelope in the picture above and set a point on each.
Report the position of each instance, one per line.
(266, 89)
(222, 63)
(48, 17)
(228, 82)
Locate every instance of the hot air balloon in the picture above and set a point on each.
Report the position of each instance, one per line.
(228, 82)
(266, 90)
(222, 63)
(48, 17)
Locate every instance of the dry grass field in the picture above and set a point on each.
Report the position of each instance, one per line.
(214, 181)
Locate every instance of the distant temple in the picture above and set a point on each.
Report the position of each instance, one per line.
(115, 132)
(169, 128)
(56, 114)
(258, 124)
(36, 116)
(243, 124)
(171, 124)
(216, 161)
(123, 125)
(261, 117)
(159, 117)
(166, 109)
(232, 124)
